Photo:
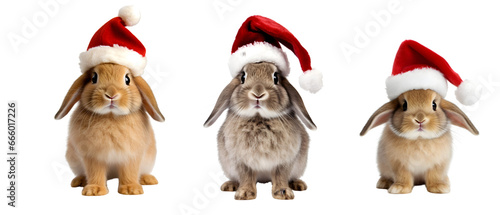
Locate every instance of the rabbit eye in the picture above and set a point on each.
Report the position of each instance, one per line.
(275, 78)
(243, 77)
(94, 78)
(127, 79)
(434, 106)
(405, 106)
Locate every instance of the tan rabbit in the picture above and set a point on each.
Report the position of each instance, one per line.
(110, 135)
(416, 144)
(262, 138)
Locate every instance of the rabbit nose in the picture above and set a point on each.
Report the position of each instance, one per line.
(111, 97)
(420, 118)
(258, 96)
(111, 92)
(419, 122)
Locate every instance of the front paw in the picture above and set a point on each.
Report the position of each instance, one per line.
(298, 185)
(244, 193)
(400, 188)
(283, 193)
(130, 189)
(94, 190)
(438, 188)
(79, 181)
(230, 186)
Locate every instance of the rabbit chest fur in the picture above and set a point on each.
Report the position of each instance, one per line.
(418, 156)
(262, 144)
(110, 139)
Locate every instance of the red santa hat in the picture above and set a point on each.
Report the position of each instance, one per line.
(114, 43)
(417, 67)
(259, 39)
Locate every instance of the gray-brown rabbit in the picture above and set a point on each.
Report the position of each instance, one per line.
(262, 138)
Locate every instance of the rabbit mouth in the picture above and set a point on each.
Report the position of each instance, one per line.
(257, 104)
(113, 108)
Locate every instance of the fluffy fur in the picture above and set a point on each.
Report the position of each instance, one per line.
(468, 92)
(422, 78)
(130, 15)
(262, 138)
(116, 54)
(110, 135)
(416, 144)
(258, 52)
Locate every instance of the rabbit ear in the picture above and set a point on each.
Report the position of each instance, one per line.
(73, 95)
(222, 102)
(457, 116)
(297, 104)
(381, 116)
(148, 99)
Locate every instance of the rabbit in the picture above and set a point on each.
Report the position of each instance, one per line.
(262, 139)
(110, 135)
(416, 143)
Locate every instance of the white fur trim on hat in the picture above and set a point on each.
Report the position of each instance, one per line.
(468, 92)
(311, 80)
(130, 15)
(424, 78)
(258, 52)
(116, 54)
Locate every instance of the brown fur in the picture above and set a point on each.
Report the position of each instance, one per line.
(408, 157)
(112, 145)
(265, 146)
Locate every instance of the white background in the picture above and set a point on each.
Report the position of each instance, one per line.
(188, 44)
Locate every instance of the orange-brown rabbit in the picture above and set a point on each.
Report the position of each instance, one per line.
(416, 144)
(110, 135)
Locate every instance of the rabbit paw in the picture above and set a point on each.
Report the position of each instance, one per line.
(384, 183)
(298, 185)
(148, 179)
(283, 193)
(230, 186)
(438, 188)
(130, 189)
(79, 181)
(94, 190)
(245, 194)
(400, 189)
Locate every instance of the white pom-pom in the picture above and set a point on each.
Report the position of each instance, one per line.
(468, 92)
(130, 15)
(311, 80)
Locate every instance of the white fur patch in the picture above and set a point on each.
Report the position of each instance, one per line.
(415, 134)
(424, 78)
(116, 54)
(251, 111)
(258, 52)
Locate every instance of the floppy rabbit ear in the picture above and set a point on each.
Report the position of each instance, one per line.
(297, 104)
(148, 99)
(381, 116)
(457, 117)
(222, 102)
(74, 94)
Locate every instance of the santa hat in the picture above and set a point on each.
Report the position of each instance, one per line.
(113, 43)
(259, 39)
(417, 67)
